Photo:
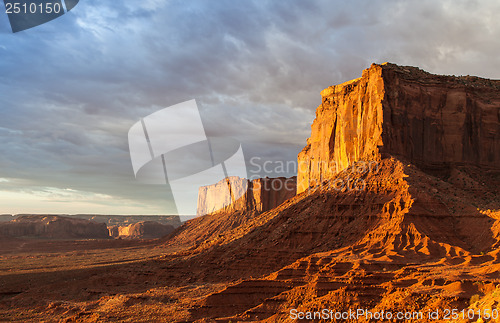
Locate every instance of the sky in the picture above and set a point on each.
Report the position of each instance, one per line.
(71, 89)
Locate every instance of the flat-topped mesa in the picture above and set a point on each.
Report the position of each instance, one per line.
(53, 227)
(434, 121)
(235, 194)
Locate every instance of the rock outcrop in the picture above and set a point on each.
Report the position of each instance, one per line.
(114, 231)
(125, 220)
(53, 227)
(141, 230)
(408, 242)
(433, 121)
(234, 194)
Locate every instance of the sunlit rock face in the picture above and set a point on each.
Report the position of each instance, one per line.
(235, 194)
(141, 230)
(433, 121)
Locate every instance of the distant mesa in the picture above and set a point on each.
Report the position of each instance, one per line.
(125, 220)
(258, 195)
(87, 226)
(6, 217)
(53, 227)
(423, 233)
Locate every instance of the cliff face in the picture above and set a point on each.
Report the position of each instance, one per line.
(54, 227)
(431, 120)
(238, 194)
(141, 230)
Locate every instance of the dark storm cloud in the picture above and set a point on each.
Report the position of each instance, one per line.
(71, 89)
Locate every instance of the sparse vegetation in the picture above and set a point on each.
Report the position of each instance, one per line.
(474, 299)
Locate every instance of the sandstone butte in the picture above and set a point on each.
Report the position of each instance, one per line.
(423, 235)
(234, 194)
(141, 230)
(434, 121)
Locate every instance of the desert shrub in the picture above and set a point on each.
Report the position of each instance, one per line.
(474, 299)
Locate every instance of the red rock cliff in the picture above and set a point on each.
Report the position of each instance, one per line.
(431, 120)
(239, 194)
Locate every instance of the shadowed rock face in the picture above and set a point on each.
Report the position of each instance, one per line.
(114, 231)
(239, 194)
(434, 121)
(54, 227)
(407, 242)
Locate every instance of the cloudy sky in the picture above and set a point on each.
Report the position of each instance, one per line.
(71, 89)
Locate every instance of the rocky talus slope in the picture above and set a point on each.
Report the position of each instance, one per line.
(223, 212)
(398, 206)
(402, 214)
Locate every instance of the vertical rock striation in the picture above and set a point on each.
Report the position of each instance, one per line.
(433, 121)
(239, 194)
